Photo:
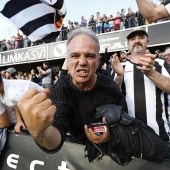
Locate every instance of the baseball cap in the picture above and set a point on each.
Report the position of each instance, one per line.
(137, 30)
(123, 52)
(11, 70)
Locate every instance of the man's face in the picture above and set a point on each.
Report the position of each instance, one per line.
(83, 60)
(167, 56)
(123, 55)
(8, 75)
(137, 43)
(2, 73)
(44, 66)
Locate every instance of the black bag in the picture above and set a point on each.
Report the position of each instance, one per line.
(130, 137)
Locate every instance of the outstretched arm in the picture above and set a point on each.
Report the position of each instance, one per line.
(38, 113)
(4, 120)
(150, 11)
(20, 122)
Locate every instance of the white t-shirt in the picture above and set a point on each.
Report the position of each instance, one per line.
(15, 89)
(168, 7)
(48, 78)
(10, 111)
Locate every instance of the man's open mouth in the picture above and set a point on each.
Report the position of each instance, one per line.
(82, 72)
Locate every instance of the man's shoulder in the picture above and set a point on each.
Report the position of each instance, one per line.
(49, 69)
(105, 80)
(63, 81)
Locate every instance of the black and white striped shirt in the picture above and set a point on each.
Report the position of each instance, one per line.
(144, 100)
(38, 19)
(167, 5)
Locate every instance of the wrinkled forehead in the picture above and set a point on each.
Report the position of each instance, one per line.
(167, 51)
(81, 39)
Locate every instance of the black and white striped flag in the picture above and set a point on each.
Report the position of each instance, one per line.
(37, 19)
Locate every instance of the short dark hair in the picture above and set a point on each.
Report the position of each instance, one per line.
(46, 63)
(0, 78)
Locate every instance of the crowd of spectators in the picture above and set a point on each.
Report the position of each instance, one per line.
(35, 75)
(103, 23)
(16, 42)
(98, 23)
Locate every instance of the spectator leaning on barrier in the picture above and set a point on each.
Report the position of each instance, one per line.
(140, 19)
(122, 19)
(117, 21)
(106, 25)
(63, 33)
(80, 86)
(71, 105)
(111, 23)
(83, 22)
(92, 24)
(131, 16)
(98, 21)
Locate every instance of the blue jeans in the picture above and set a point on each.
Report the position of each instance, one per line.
(98, 29)
(3, 137)
(131, 23)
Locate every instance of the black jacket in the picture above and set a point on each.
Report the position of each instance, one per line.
(129, 138)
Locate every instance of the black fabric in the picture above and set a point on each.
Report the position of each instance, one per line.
(139, 95)
(166, 2)
(129, 137)
(76, 107)
(159, 109)
(34, 78)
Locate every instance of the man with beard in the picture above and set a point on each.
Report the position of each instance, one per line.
(151, 12)
(144, 99)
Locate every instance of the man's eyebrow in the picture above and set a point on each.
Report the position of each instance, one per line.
(89, 53)
(74, 53)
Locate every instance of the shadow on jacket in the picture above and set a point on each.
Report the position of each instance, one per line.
(129, 137)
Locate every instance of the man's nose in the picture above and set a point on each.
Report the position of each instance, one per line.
(82, 60)
(137, 40)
